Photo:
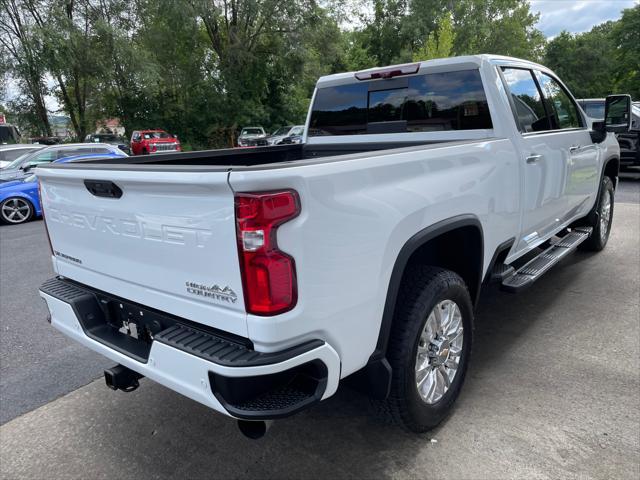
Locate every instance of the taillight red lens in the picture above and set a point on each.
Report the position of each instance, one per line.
(44, 220)
(268, 274)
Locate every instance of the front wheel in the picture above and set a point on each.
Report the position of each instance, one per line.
(15, 210)
(602, 223)
(429, 347)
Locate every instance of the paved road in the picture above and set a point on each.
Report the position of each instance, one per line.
(37, 363)
(629, 187)
(552, 392)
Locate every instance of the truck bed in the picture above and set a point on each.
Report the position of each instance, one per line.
(252, 157)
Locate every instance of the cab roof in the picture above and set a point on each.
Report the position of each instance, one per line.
(434, 66)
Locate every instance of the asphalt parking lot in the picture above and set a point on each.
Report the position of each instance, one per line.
(552, 392)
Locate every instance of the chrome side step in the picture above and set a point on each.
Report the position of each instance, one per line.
(538, 266)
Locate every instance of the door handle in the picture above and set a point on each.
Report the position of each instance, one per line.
(533, 158)
(574, 148)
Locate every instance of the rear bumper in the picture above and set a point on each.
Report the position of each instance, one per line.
(236, 380)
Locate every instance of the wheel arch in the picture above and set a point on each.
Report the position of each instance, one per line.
(456, 244)
(611, 169)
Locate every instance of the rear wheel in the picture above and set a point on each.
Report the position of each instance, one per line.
(602, 221)
(16, 210)
(429, 347)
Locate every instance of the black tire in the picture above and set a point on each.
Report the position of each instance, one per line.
(25, 214)
(423, 288)
(599, 238)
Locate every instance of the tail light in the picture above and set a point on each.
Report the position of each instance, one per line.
(268, 274)
(44, 220)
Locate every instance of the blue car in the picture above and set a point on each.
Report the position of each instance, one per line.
(19, 201)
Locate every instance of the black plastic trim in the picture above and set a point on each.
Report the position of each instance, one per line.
(271, 396)
(93, 308)
(103, 188)
(415, 242)
(223, 352)
(502, 248)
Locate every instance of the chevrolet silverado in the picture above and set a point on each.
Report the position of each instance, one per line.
(255, 281)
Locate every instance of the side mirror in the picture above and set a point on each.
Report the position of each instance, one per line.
(28, 167)
(617, 113)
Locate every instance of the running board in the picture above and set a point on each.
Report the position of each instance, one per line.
(538, 266)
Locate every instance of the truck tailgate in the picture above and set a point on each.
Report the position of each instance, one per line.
(168, 241)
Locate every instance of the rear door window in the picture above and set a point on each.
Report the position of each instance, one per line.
(72, 152)
(526, 100)
(422, 103)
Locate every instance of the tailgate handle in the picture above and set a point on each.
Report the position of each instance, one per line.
(103, 188)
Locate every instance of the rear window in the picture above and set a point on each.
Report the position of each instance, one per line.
(11, 155)
(422, 103)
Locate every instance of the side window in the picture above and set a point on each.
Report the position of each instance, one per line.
(527, 100)
(72, 152)
(340, 110)
(101, 150)
(563, 111)
(44, 157)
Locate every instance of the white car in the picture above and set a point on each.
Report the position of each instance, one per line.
(252, 137)
(24, 165)
(9, 153)
(288, 134)
(255, 281)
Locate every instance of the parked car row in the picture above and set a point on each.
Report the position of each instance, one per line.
(19, 199)
(257, 137)
(22, 165)
(629, 141)
(111, 139)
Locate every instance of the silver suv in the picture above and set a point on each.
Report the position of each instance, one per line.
(21, 166)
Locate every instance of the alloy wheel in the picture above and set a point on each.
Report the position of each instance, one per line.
(16, 210)
(605, 215)
(439, 351)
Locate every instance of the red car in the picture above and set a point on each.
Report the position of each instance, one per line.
(144, 142)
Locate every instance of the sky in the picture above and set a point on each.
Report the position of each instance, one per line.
(576, 16)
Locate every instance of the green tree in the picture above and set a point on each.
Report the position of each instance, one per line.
(383, 36)
(21, 55)
(586, 62)
(503, 27)
(626, 37)
(439, 43)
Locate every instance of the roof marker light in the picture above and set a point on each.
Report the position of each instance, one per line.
(388, 72)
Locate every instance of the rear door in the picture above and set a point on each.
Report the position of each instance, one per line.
(168, 240)
(559, 159)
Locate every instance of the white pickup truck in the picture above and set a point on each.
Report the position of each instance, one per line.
(254, 281)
